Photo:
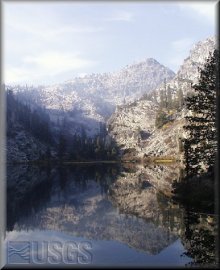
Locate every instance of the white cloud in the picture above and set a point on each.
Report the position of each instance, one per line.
(57, 62)
(123, 16)
(14, 75)
(48, 32)
(42, 44)
(205, 10)
(53, 63)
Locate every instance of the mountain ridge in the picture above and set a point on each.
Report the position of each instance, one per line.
(102, 93)
(86, 105)
(131, 121)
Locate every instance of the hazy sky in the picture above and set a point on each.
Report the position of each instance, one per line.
(52, 42)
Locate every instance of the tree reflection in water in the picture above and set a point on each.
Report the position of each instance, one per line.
(200, 239)
(107, 202)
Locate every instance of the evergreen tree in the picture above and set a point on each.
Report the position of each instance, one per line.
(37, 122)
(62, 145)
(201, 145)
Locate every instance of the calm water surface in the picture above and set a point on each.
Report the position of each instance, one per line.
(102, 215)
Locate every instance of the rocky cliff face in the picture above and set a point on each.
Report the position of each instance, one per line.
(198, 54)
(128, 125)
(133, 126)
(188, 72)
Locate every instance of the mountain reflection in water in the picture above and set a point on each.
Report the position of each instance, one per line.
(118, 209)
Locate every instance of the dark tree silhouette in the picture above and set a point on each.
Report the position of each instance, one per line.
(201, 143)
(37, 121)
(62, 145)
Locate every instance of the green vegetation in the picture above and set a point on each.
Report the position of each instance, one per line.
(161, 119)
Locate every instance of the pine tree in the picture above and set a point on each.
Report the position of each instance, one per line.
(62, 145)
(201, 145)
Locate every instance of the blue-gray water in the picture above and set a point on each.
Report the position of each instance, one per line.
(101, 215)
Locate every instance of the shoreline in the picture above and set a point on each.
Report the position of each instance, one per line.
(153, 160)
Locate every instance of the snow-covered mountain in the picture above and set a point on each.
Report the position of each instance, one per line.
(133, 125)
(188, 72)
(92, 99)
(119, 99)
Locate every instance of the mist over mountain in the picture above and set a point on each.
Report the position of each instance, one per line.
(126, 101)
(87, 101)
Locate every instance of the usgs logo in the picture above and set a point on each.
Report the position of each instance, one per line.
(53, 252)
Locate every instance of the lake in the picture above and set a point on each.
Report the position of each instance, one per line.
(102, 215)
